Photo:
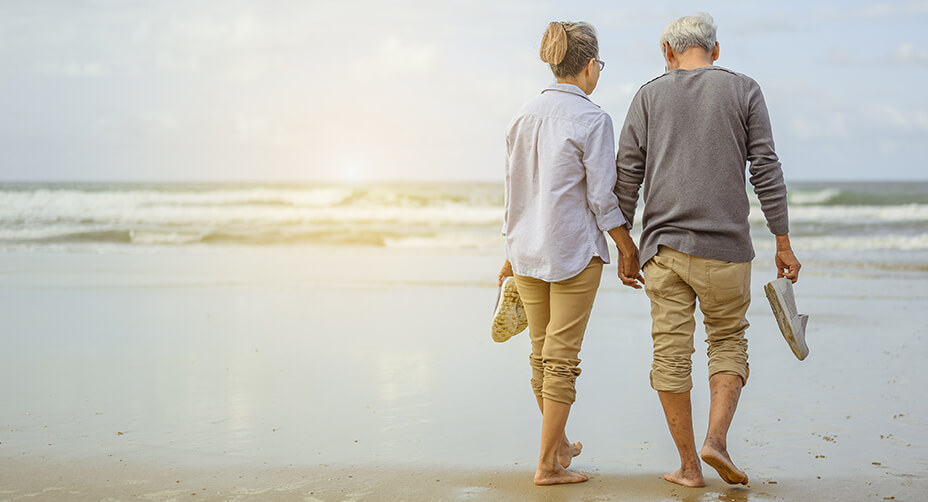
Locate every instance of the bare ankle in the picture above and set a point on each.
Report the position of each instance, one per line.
(686, 476)
(716, 443)
(691, 468)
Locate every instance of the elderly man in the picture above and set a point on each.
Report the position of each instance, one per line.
(687, 138)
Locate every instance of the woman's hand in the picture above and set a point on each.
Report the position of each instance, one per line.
(629, 266)
(629, 272)
(506, 271)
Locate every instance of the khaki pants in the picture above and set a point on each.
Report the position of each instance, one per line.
(557, 316)
(673, 282)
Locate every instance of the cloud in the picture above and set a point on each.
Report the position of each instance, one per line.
(903, 120)
(177, 62)
(158, 121)
(74, 69)
(908, 53)
(903, 54)
(891, 9)
(769, 24)
(888, 146)
(227, 86)
(833, 127)
(147, 124)
(267, 131)
(396, 57)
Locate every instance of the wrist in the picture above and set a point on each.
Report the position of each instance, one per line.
(625, 243)
(783, 243)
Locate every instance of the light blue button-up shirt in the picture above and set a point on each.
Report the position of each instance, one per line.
(560, 177)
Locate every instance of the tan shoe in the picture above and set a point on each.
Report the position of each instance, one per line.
(792, 324)
(509, 318)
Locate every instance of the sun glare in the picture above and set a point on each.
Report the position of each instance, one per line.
(353, 170)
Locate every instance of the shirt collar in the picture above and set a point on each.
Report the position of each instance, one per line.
(568, 88)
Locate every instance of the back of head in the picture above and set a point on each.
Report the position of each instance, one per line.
(686, 32)
(568, 47)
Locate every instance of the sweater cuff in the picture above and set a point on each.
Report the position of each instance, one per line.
(779, 227)
(778, 223)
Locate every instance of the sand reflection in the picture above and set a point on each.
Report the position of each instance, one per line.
(401, 375)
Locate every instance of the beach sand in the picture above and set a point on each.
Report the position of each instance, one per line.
(351, 373)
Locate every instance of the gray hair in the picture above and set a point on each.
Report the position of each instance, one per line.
(683, 33)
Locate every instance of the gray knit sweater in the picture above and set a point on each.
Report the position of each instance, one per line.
(687, 137)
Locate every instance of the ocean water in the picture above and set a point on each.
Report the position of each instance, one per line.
(867, 220)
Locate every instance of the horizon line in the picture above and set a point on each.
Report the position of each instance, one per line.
(382, 181)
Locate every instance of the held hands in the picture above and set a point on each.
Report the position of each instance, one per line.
(629, 272)
(629, 266)
(787, 264)
(506, 271)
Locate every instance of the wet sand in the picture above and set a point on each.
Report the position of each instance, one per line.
(117, 479)
(366, 374)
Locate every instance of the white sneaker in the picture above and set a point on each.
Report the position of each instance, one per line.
(792, 325)
(509, 318)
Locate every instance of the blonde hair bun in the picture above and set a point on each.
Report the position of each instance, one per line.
(568, 47)
(554, 43)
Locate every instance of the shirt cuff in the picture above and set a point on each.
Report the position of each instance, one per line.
(610, 220)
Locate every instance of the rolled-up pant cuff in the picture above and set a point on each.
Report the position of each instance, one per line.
(538, 374)
(729, 369)
(553, 381)
(560, 382)
(676, 384)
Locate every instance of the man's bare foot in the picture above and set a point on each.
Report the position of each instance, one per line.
(689, 477)
(721, 462)
(567, 451)
(558, 476)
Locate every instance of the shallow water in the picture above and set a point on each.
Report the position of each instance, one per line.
(314, 356)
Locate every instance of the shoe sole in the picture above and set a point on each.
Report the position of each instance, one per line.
(506, 316)
(796, 343)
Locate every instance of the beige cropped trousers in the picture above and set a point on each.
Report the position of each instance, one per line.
(557, 317)
(673, 282)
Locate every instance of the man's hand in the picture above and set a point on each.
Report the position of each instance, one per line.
(787, 264)
(506, 271)
(628, 269)
(629, 266)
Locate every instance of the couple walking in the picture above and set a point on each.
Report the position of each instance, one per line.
(686, 141)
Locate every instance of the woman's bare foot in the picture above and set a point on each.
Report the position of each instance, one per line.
(686, 477)
(721, 462)
(558, 476)
(567, 451)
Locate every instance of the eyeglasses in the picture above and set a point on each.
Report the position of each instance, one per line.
(602, 64)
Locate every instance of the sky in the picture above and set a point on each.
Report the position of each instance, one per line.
(407, 90)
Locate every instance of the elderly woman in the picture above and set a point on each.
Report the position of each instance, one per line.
(560, 175)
